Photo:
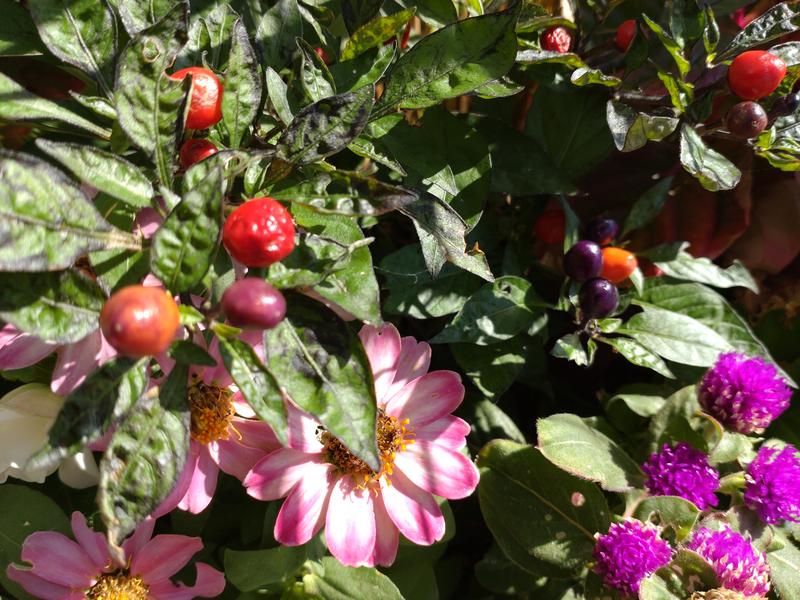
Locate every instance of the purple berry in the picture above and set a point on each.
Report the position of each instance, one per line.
(746, 119)
(253, 304)
(602, 230)
(785, 106)
(598, 298)
(583, 261)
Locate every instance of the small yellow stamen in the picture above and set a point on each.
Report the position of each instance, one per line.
(119, 586)
(211, 412)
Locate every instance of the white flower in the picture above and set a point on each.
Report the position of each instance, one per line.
(26, 415)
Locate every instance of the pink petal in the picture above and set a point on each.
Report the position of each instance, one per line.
(414, 360)
(164, 555)
(59, 560)
(41, 588)
(217, 375)
(277, 473)
(93, 543)
(382, 345)
(177, 494)
(414, 511)
(19, 350)
(449, 431)
(438, 470)
(209, 584)
(204, 482)
(147, 222)
(302, 429)
(134, 544)
(77, 361)
(427, 398)
(350, 524)
(242, 408)
(233, 458)
(256, 434)
(301, 515)
(387, 537)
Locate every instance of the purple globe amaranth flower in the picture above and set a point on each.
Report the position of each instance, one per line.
(628, 553)
(744, 394)
(738, 565)
(682, 471)
(773, 484)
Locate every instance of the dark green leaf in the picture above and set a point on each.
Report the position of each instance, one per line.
(712, 170)
(375, 33)
(363, 70)
(784, 566)
(776, 22)
(315, 77)
(702, 270)
(681, 93)
(669, 512)
(533, 56)
(586, 76)
(637, 354)
(188, 353)
(276, 89)
(570, 347)
(492, 423)
(46, 222)
(647, 206)
(242, 96)
(687, 572)
(82, 33)
(710, 32)
(277, 31)
(358, 12)
(320, 363)
(18, 35)
(328, 579)
(493, 368)
(632, 130)
(675, 51)
(103, 170)
(252, 569)
(499, 88)
(137, 15)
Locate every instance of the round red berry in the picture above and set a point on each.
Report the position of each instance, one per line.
(258, 233)
(550, 226)
(557, 39)
(139, 320)
(253, 303)
(205, 105)
(755, 74)
(196, 149)
(625, 34)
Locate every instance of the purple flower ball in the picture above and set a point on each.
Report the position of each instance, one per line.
(744, 394)
(682, 471)
(773, 485)
(738, 565)
(628, 553)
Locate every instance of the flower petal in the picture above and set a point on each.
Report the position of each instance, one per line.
(177, 494)
(93, 543)
(414, 511)
(203, 484)
(233, 458)
(301, 515)
(382, 345)
(19, 350)
(59, 560)
(438, 470)
(79, 471)
(414, 360)
(209, 584)
(256, 434)
(41, 588)
(163, 556)
(302, 429)
(387, 538)
(448, 431)
(76, 361)
(427, 398)
(134, 544)
(350, 524)
(277, 473)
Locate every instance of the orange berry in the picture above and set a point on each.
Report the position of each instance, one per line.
(139, 320)
(618, 264)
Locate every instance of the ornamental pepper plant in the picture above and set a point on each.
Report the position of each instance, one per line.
(385, 300)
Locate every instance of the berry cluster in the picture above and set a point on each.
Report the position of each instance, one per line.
(205, 110)
(598, 266)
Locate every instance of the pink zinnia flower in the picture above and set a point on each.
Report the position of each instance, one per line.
(419, 442)
(63, 569)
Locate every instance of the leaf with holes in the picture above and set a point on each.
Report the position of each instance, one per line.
(773, 23)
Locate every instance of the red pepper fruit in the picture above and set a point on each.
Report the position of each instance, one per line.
(625, 34)
(259, 233)
(557, 39)
(205, 105)
(196, 149)
(139, 320)
(550, 226)
(618, 264)
(755, 74)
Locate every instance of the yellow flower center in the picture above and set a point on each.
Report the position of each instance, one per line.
(392, 435)
(118, 586)
(211, 412)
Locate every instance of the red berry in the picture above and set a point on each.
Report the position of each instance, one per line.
(205, 106)
(258, 233)
(406, 35)
(625, 34)
(253, 304)
(747, 119)
(557, 39)
(139, 320)
(755, 74)
(618, 264)
(320, 51)
(550, 226)
(196, 149)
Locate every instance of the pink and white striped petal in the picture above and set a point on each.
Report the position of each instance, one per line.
(382, 345)
(163, 556)
(57, 559)
(448, 431)
(350, 524)
(438, 470)
(303, 511)
(277, 473)
(427, 398)
(209, 584)
(414, 511)
(413, 362)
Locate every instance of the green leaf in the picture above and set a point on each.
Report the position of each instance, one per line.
(533, 56)
(776, 22)
(375, 33)
(276, 90)
(784, 566)
(365, 69)
(712, 170)
(151, 105)
(145, 457)
(18, 35)
(492, 368)
(632, 130)
(18, 104)
(638, 355)
(315, 77)
(100, 402)
(675, 51)
(243, 88)
(321, 365)
(103, 170)
(543, 518)
(669, 512)
(647, 206)
(256, 383)
(46, 222)
(82, 33)
(586, 76)
(570, 347)
(490, 420)
(137, 15)
(497, 312)
(452, 61)
(569, 443)
(358, 12)
(503, 87)
(328, 579)
(187, 352)
(252, 569)
(326, 127)
(184, 246)
(681, 93)
(687, 572)
(276, 33)
(702, 270)
(61, 307)
(710, 33)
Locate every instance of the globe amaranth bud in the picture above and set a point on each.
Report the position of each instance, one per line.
(772, 484)
(681, 470)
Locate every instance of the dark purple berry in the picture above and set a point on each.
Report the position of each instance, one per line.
(746, 119)
(583, 261)
(602, 230)
(253, 304)
(598, 298)
(785, 106)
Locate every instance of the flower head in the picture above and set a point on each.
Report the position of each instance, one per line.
(682, 471)
(85, 568)
(420, 443)
(773, 484)
(744, 394)
(628, 553)
(738, 565)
